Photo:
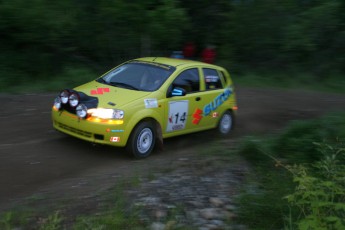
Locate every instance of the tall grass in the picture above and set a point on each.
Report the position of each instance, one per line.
(261, 203)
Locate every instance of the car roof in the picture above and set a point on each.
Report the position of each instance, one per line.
(177, 63)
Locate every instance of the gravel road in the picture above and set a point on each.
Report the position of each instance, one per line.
(36, 160)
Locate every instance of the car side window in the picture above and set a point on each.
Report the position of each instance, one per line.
(212, 79)
(188, 80)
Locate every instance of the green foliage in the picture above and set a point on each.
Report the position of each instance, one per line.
(320, 193)
(114, 214)
(53, 222)
(69, 77)
(6, 221)
(165, 32)
(289, 35)
(40, 38)
(115, 219)
(13, 219)
(317, 27)
(261, 202)
(292, 144)
(34, 35)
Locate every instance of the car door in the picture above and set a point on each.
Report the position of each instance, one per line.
(214, 96)
(183, 103)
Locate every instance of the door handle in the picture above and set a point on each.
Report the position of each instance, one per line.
(198, 98)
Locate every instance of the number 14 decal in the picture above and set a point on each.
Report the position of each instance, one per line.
(178, 118)
(178, 113)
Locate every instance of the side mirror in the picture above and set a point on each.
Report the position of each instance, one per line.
(177, 91)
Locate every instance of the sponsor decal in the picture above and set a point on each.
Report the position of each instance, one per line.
(211, 107)
(99, 91)
(117, 131)
(209, 79)
(178, 112)
(197, 115)
(114, 139)
(215, 115)
(151, 103)
(218, 101)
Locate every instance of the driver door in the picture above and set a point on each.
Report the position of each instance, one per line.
(184, 104)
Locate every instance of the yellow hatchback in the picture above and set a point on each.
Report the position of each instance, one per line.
(142, 101)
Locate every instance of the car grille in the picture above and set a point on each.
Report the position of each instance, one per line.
(74, 130)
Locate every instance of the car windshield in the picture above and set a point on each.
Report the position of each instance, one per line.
(143, 76)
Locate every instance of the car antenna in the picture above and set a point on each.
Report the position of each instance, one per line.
(154, 59)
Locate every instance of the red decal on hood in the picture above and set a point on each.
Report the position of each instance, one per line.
(99, 91)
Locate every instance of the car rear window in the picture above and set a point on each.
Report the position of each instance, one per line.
(212, 79)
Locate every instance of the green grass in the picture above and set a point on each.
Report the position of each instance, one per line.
(111, 212)
(52, 222)
(11, 219)
(333, 83)
(261, 202)
(114, 212)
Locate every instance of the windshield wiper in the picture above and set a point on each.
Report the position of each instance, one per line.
(101, 80)
(123, 85)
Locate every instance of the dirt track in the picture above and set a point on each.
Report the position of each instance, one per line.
(36, 160)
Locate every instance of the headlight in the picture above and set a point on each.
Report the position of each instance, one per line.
(81, 111)
(57, 103)
(73, 100)
(118, 114)
(106, 113)
(64, 96)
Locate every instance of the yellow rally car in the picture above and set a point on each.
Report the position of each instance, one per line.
(142, 101)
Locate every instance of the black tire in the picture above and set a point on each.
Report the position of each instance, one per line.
(226, 123)
(142, 140)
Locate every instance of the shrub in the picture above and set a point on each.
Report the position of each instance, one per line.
(320, 193)
(261, 202)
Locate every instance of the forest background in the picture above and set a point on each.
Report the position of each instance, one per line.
(45, 40)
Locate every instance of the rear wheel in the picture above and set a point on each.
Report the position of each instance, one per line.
(142, 140)
(226, 123)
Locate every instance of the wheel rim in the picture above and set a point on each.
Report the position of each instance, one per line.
(225, 123)
(145, 139)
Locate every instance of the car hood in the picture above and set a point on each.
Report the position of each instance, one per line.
(110, 96)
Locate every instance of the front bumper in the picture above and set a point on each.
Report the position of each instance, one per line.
(101, 132)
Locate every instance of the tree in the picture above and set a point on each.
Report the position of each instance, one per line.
(316, 37)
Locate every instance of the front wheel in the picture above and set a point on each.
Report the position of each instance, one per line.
(142, 140)
(226, 123)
